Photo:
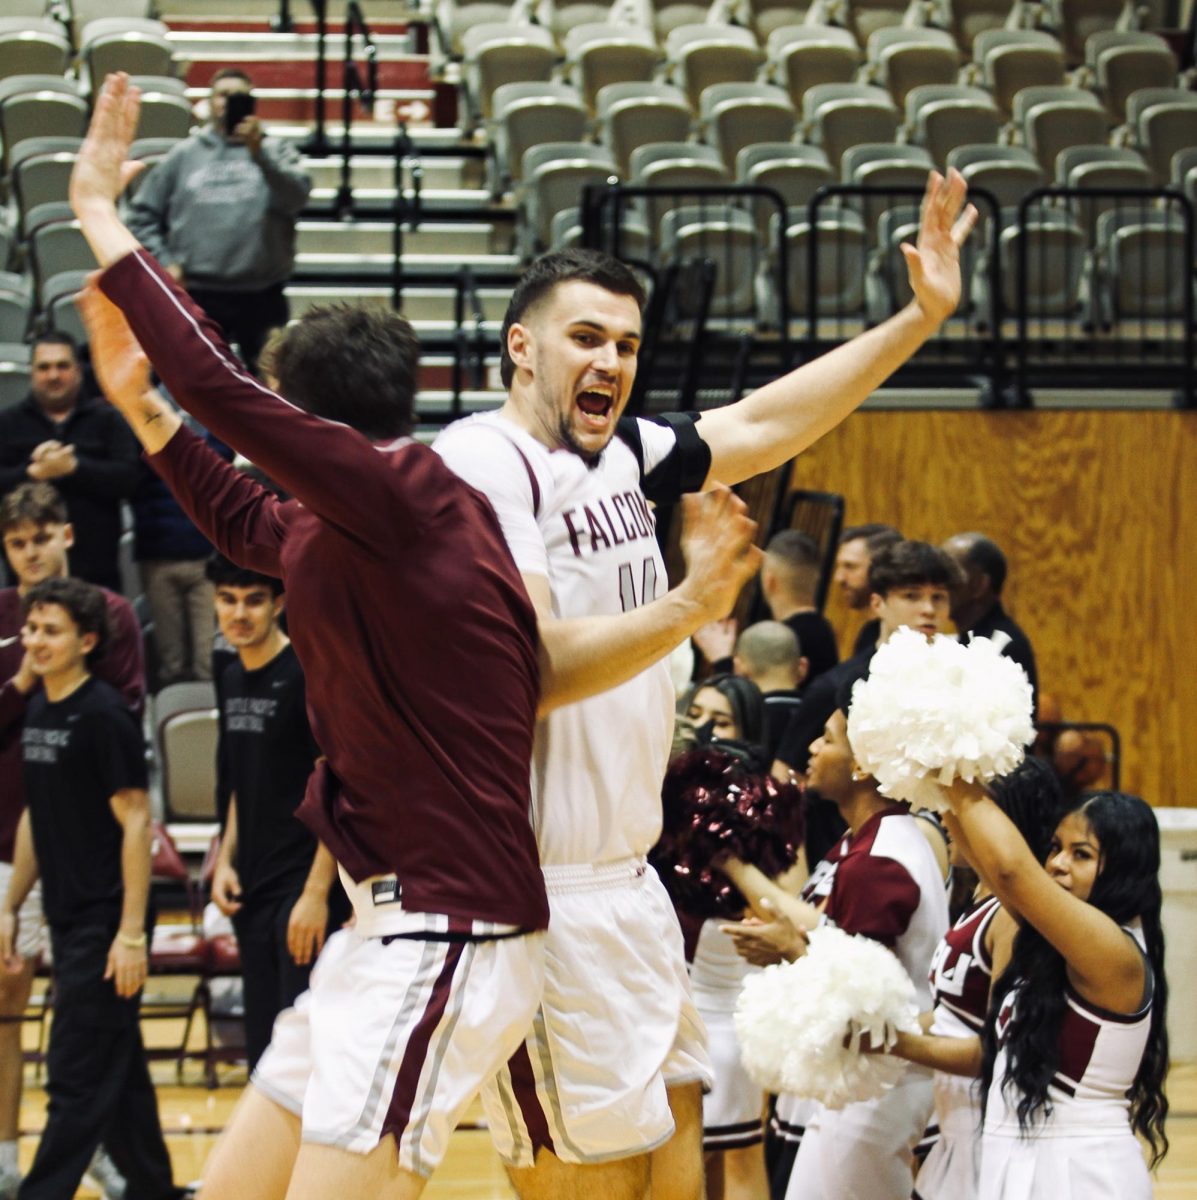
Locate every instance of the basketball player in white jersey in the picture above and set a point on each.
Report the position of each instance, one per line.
(616, 1060)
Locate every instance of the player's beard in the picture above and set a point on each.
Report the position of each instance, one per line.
(566, 434)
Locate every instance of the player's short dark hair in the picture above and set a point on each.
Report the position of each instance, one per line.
(556, 267)
(985, 555)
(352, 364)
(86, 604)
(911, 564)
(230, 73)
(875, 536)
(56, 337)
(224, 573)
(795, 548)
(39, 503)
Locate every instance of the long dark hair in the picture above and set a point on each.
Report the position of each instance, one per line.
(1127, 887)
(747, 705)
(1030, 796)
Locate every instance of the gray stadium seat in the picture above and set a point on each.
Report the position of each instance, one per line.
(59, 246)
(735, 115)
(1008, 173)
(554, 174)
(631, 115)
(164, 114)
(796, 172)
(561, 17)
(526, 114)
(768, 16)
(135, 47)
(942, 117)
(1123, 62)
(803, 56)
(1013, 59)
(866, 17)
(675, 165)
(901, 59)
(1056, 261)
(14, 376)
(1164, 121)
(57, 301)
(39, 106)
(30, 45)
(723, 236)
(1053, 118)
(596, 55)
(1144, 272)
(967, 18)
(1078, 20)
(841, 257)
(40, 170)
(634, 243)
(700, 55)
(16, 307)
(503, 54)
(185, 735)
(1095, 167)
(884, 166)
(838, 116)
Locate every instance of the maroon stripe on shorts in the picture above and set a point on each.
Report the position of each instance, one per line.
(403, 1098)
(523, 1084)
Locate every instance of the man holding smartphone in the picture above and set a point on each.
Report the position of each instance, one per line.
(219, 213)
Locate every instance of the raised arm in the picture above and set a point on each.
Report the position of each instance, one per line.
(1103, 963)
(235, 513)
(783, 418)
(199, 370)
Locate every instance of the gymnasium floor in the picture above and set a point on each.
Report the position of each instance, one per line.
(192, 1117)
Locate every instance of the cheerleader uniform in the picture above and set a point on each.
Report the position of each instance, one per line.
(1084, 1149)
(961, 972)
(732, 1110)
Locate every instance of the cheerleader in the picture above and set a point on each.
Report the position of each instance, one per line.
(962, 970)
(1075, 1049)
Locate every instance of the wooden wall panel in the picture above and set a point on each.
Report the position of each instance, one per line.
(1097, 513)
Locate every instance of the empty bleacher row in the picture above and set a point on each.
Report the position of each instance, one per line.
(565, 102)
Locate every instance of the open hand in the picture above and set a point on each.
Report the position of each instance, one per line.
(718, 545)
(103, 169)
(933, 264)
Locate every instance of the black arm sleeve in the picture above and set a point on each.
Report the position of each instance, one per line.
(684, 469)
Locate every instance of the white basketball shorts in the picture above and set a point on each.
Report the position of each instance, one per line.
(32, 934)
(617, 1026)
(396, 1035)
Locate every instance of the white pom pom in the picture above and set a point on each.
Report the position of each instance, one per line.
(932, 712)
(792, 1020)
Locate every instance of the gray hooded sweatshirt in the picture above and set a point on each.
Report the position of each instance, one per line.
(226, 220)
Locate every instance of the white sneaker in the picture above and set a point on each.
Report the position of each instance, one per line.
(103, 1175)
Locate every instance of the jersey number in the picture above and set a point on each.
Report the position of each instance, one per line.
(949, 979)
(627, 585)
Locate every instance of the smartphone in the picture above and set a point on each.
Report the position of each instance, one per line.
(237, 107)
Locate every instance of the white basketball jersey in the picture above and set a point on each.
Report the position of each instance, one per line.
(597, 764)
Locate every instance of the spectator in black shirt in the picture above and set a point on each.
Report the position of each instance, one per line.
(789, 584)
(80, 445)
(858, 544)
(272, 876)
(977, 602)
(86, 832)
(769, 654)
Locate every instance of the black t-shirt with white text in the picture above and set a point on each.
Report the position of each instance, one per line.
(268, 751)
(78, 753)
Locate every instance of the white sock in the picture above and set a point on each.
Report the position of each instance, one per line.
(8, 1158)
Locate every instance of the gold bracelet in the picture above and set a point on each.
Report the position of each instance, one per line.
(131, 943)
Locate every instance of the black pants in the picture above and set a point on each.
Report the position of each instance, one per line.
(245, 317)
(273, 980)
(98, 1083)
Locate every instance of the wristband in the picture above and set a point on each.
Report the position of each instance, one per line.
(131, 943)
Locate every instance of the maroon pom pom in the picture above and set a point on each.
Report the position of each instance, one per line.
(715, 806)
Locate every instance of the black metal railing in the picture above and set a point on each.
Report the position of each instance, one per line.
(469, 346)
(354, 89)
(1103, 289)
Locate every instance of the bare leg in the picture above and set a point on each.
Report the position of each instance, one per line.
(14, 996)
(744, 1176)
(551, 1179)
(330, 1173)
(677, 1172)
(256, 1154)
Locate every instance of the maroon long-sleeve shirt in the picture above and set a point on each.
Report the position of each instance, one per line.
(415, 633)
(121, 664)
